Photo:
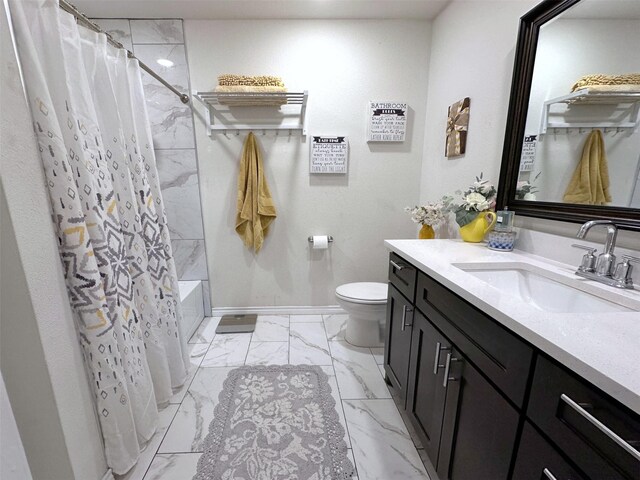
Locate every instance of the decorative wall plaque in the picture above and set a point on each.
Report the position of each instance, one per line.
(387, 122)
(329, 155)
(457, 126)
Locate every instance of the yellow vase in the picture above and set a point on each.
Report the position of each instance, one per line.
(476, 230)
(426, 233)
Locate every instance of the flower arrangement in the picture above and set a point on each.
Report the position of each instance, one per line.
(526, 190)
(479, 197)
(428, 214)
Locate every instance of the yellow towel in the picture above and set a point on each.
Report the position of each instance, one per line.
(255, 209)
(589, 184)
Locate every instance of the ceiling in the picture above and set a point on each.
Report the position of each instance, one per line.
(256, 9)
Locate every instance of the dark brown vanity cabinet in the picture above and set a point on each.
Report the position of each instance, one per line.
(486, 404)
(466, 425)
(398, 340)
(400, 311)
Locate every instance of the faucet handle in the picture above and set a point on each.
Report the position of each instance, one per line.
(584, 247)
(630, 259)
(588, 260)
(624, 269)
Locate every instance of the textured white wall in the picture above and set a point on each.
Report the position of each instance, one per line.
(13, 460)
(343, 64)
(41, 361)
(472, 52)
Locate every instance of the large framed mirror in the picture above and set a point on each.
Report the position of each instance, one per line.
(572, 143)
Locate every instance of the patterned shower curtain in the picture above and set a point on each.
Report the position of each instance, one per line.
(93, 133)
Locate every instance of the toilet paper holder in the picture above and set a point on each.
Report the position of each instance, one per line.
(329, 238)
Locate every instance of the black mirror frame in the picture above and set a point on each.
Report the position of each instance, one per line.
(530, 23)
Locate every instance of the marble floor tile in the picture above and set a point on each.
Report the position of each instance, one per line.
(335, 393)
(157, 31)
(407, 421)
(353, 462)
(380, 442)
(206, 330)
(165, 417)
(271, 328)
(179, 466)
(227, 350)
(335, 325)
(268, 353)
(191, 423)
(178, 173)
(118, 28)
(381, 368)
(196, 354)
(357, 372)
(308, 344)
(305, 318)
(190, 258)
(378, 354)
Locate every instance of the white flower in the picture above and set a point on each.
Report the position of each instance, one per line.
(476, 201)
(529, 196)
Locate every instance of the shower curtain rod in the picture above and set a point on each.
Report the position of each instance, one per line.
(84, 20)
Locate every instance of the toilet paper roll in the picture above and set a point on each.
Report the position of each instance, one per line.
(320, 242)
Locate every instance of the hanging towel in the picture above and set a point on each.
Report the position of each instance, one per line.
(589, 184)
(255, 209)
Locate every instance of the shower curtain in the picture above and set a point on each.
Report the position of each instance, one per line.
(93, 133)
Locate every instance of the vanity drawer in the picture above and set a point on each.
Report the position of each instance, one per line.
(402, 275)
(500, 355)
(597, 433)
(537, 459)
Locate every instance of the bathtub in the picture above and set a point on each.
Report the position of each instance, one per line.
(192, 306)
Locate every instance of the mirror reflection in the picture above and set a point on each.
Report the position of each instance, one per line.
(582, 141)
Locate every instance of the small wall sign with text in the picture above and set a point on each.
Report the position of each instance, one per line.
(528, 156)
(387, 122)
(329, 155)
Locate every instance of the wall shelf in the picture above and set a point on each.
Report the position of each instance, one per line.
(587, 97)
(217, 102)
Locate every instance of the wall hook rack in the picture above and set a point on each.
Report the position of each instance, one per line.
(216, 102)
(586, 97)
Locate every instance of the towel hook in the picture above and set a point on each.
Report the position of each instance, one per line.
(263, 132)
(237, 132)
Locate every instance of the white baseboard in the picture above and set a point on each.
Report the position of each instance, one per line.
(278, 310)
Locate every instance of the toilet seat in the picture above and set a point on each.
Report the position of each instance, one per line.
(367, 293)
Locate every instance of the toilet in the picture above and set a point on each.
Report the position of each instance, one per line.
(366, 304)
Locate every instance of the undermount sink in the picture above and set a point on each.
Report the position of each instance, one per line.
(546, 290)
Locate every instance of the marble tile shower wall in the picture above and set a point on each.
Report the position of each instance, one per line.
(173, 136)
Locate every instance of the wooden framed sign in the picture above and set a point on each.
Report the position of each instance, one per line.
(386, 122)
(329, 155)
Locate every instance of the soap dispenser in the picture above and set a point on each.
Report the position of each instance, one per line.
(503, 236)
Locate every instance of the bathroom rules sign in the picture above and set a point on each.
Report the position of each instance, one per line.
(329, 155)
(387, 122)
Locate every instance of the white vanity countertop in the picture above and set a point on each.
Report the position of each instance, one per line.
(604, 348)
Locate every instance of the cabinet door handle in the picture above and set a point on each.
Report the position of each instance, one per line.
(602, 427)
(397, 266)
(436, 361)
(447, 366)
(548, 474)
(405, 310)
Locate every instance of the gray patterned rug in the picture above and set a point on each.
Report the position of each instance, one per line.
(275, 422)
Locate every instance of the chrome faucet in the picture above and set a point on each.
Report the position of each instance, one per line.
(604, 268)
